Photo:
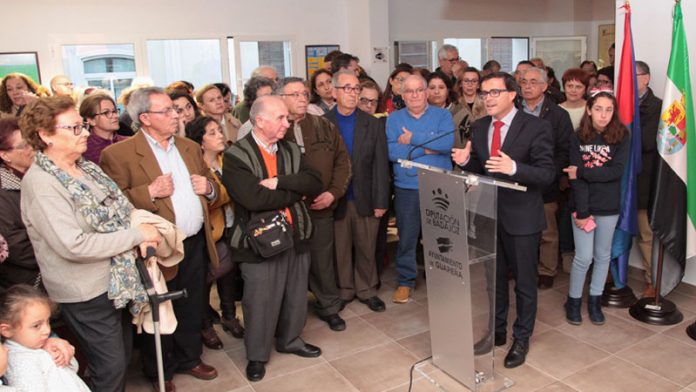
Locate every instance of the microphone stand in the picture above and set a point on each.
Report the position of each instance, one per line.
(438, 137)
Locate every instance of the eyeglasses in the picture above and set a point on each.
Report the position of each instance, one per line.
(109, 113)
(368, 101)
(494, 92)
(21, 146)
(453, 60)
(180, 110)
(417, 91)
(76, 129)
(348, 89)
(296, 95)
(532, 82)
(470, 81)
(165, 112)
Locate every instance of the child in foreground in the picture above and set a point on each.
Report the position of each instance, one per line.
(25, 329)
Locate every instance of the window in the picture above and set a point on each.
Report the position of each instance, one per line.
(508, 51)
(470, 50)
(421, 54)
(274, 53)
(560, 53)
(195, 60)
(110, 67)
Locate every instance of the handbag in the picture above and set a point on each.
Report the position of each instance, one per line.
(269, 233)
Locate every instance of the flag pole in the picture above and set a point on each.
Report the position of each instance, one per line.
(617, 293)
(657, 310)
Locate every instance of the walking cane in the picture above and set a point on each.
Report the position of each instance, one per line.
(155, 300)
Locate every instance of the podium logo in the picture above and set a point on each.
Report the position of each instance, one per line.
(444, 244)
(440, 199)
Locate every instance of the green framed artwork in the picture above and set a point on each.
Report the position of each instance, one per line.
(24, 62)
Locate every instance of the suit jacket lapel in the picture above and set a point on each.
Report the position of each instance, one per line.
(149, 164)
(482, 139)
(359, 134)
(513, 132)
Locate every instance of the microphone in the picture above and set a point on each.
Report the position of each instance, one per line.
(438, 137)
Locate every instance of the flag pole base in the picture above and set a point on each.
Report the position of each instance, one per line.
(691, 331)
(666, 313)
(617, 298)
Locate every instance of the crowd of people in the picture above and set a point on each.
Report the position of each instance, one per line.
(310, 165)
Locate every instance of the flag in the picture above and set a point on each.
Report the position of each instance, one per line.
(629, 114)
(673, 213)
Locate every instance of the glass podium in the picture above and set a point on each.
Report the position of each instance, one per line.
(458, 218)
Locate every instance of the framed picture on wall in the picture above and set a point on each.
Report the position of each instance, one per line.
(314, 56)
(606, 38)
(24, 62)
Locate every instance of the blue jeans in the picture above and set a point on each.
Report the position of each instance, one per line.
(408, 222)
(595, 244)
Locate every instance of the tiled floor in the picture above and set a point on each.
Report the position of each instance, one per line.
(376, 351)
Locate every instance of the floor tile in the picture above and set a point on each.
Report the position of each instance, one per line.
(616, 375)
(409, 319)
(278, 365)
(679, 331)
(561, 355)
(418, 344)
(550, 308)
(377, 350)
(525, 377)
(359, 335)
(376, 369)
(665, 356)
(616, 333)
(319, 378)
(557, 387)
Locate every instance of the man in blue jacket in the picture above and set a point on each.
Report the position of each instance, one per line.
(417, 132)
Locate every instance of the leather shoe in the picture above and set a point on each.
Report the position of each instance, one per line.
(168, 386)
(307, 351)
(335, 322)
(483, 346)
(500, 339)
(201, 372)
(255, 370)
(374, 303)
(211, 338)
(545, 282)
(517, 354)
(233, 326)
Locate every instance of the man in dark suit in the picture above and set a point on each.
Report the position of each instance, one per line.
(323, 151)
(166, 175)
(535, 101)
(514, 146)
(650, 108)
(367, 198)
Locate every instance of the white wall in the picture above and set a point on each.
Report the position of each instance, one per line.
(651, 23)
(438, 19)
(44, 25)
(356, 25)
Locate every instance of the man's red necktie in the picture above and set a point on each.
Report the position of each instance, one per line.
(495, 143)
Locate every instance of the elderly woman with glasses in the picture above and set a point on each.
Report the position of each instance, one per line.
(15, 158)
(100, 113)
(79, 224)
